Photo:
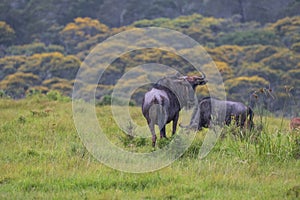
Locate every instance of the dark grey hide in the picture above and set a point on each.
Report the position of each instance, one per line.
(213, 111)
(162, 103)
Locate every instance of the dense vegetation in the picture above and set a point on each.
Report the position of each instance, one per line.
(40, 19)
(250, 56)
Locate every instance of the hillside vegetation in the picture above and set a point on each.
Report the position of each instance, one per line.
(254, 59)
(39, 19)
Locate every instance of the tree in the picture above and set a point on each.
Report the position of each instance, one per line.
(240, 88)
(7, 34)
(81, 30)
(16, 85)
(243, 38)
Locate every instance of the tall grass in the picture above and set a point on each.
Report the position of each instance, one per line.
(42, 157)
(273, 142)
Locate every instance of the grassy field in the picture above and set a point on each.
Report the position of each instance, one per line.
(42, 157)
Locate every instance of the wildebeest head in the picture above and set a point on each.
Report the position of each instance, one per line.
(191, 82)
(183, 87)
(195, 80)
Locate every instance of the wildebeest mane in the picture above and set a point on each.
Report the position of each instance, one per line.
(180, 88)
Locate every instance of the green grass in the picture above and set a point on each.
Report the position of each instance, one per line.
(42, 157)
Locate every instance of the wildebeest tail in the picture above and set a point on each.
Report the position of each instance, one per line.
(250, 113)
(158, 115)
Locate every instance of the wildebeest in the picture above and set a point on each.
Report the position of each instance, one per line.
(162, 103)
(220, 112)
(295, 123)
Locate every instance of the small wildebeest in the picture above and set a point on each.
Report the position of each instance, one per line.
(295, 123)
(169, 95)
(220, 112)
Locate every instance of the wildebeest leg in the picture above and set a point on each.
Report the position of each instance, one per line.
(243, 119)
(153, 140)
(228, 120)
(163, 132)
(237, 120)
(175, 121)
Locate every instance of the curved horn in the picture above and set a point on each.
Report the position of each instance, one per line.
(203, 75)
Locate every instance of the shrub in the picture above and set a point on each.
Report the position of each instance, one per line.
(28, 49)
(283, 60)
(256, 53)
(57, 96)
(107, 100)
(80, 30)
(263, 37)
(17, 84)
(33, 48)
(296, 47)
(3, 94)
(288, 30)
(7, 34)
(240, 87)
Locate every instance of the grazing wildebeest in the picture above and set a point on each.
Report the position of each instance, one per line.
(220, 112)
(295, 123)
(162, 103)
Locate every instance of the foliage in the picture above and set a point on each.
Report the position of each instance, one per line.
(230, 54)
(7, 34)
(225, 71)
(49, 65)
(16, 85)
(258, 69)
(240, 50)
(41, 67)
(244, 38)
(55, 95)
(288, 30)
(196, 26)
(36, 19)
(34, 48)
(3, 94)
(255, 53)
(10, 64)
(245, 85)
(82, 29)
(107, 100)
(296, 47)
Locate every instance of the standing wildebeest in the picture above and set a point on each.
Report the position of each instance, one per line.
(295, 123)
(218, 111)
(163, 102)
